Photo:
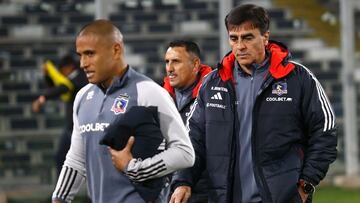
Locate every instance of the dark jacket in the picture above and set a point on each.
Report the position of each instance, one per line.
(293, 136)
(200, 190)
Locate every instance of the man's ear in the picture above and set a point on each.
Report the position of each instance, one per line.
(118, 50)
(197, 64)
(266, 36)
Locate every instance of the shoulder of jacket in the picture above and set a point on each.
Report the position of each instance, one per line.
(84, 90)
(213, 75)
(302, 69)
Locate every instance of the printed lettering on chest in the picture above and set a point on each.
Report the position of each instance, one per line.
(279, 92)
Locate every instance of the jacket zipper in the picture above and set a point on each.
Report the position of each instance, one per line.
(232, 153)
(254, 141)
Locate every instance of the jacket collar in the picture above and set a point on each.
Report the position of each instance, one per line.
(279, 65)
(118, 82)
(204, 70)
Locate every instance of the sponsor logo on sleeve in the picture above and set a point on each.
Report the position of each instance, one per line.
(217, 96)
(222, 89)
(213, 105)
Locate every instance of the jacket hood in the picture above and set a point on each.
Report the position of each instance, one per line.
(279, 65)
(204, 70)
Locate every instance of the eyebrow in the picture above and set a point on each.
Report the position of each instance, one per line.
(242, 36)
(87, 51)
(232, 35)
(247, 35)
(172, 59)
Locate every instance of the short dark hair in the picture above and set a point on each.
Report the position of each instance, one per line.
(257, 15)
(67, 60)
(190, 46)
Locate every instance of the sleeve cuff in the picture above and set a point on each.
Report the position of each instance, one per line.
(308, 180)
(58, 199)
(178, 184)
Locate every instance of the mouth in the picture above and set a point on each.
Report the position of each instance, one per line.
(89, 74)
(241, 55)
(171, 76)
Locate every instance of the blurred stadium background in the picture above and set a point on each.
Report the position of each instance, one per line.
(34, 30)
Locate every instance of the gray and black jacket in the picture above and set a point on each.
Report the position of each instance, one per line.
(94, 110)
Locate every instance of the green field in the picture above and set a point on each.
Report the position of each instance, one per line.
(323, 194)
(336, 195)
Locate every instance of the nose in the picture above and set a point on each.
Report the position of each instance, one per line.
(83, 62)
(169, 67)
(240, 45)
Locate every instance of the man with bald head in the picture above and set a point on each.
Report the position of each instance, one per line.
(114, 88)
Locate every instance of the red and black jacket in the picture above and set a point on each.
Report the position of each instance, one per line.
(293, 132)
(204, 70)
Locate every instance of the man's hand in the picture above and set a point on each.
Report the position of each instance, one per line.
(303, 195)
(44, 69)
(181, 194)
(38, 103)
(121, 158)
(56, 201)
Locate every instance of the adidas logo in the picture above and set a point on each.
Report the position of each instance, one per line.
(217, 96)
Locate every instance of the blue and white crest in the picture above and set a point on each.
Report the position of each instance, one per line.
(120, 104)
(279, 88)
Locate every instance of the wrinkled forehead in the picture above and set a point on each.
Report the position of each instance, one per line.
(248, 25)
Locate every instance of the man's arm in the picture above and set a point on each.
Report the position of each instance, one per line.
(72, 174)
(49, 93)
(185, 179)
(319, 120)
(179, 153)
(38, 103)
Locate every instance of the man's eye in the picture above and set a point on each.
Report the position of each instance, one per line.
(248, 38)
(89, 53)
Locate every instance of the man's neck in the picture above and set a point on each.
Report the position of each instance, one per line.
(106, 84)
(247, 69)
(191, 85)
